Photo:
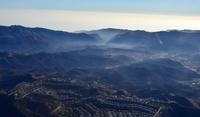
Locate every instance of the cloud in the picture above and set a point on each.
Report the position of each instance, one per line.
(80, 20)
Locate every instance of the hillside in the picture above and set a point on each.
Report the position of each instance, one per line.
(159, 71)
(30, 106)
(172, 41)
(23, 39)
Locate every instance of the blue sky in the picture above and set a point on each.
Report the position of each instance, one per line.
(177, 7)
(72, 15)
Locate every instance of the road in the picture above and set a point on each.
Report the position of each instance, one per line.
(28, 93)
(58, 108)
(157, 112)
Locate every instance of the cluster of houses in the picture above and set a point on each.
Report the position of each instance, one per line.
(111, 106)
(75, 104)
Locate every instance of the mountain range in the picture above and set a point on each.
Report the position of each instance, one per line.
(23, 39)
(173, 41)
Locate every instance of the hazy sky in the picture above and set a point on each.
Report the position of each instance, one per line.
(72, 15)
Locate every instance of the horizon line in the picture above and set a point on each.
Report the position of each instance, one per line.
(97, 29)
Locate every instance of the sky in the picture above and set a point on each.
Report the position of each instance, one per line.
(73, 15)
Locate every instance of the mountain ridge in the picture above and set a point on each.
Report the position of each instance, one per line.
(20, 38)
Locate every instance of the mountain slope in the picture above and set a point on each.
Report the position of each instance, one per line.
(63, 59)
(160, 71)
(22, 39)
(175, 41)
